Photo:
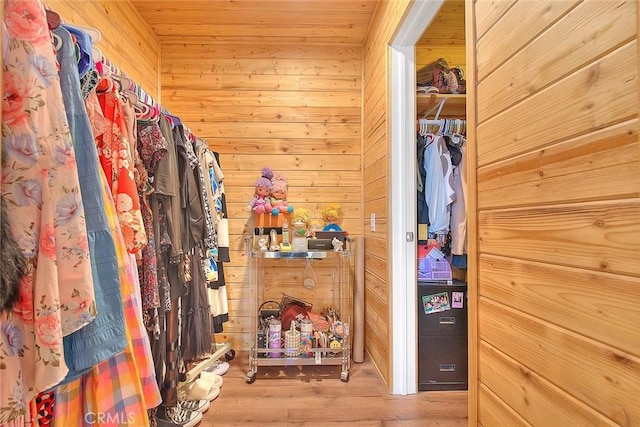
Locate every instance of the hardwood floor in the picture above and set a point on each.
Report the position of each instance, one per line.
(315, 396)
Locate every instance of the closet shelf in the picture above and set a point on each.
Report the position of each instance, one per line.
(454, 107)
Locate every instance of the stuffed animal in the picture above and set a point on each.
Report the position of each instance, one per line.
(278, 197)
(260, 203)
(332, 215)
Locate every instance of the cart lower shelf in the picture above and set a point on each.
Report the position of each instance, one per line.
(315, 357)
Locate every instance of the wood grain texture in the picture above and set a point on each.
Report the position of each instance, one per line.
(537, 400)
(295, 109)
(384, 23)
(558, 201)
(599, 236)
(564, 357)
(494, 412)
(297, 396)
(285, 21)
(567, 297)
(488, 12)
(604, 26)
(501, 41)
(596, 96)
(446, 28)
(127, 41)
(575, 170)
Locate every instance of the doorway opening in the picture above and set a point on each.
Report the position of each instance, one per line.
(403, 193)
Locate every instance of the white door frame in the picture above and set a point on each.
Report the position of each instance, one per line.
(403, 206)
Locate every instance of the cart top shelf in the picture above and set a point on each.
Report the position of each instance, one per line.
(301, 255)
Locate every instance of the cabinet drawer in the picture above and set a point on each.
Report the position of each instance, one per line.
(442, 363)
(450, 322)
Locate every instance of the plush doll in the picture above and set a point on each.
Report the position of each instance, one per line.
(260, 203)
(278, 199)
(332, 215)
(301, 217)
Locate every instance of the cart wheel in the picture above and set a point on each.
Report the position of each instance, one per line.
(251, 377)
(230, 355)
(344, 376)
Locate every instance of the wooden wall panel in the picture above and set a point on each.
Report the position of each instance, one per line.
(600, 236)
(538, 399)
(502, 89)
(558, 202)
(494, 413)
(292, 108)
(595, 96)
(578, 169)
(376, 183)
(127, 40)
(570, 298)
(562, 358)
(488, 12)
(502, 41)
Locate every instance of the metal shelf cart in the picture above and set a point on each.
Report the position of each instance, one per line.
(339, 292)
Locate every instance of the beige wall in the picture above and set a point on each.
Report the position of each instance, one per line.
(296, 109)
(558, 185)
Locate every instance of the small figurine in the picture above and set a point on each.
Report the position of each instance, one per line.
(337, 244)
(260, 203)
(332, 215)
(273, 236)
(262, 243)
(278, 194)
(301, 217)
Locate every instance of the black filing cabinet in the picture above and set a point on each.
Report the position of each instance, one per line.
(442, 335)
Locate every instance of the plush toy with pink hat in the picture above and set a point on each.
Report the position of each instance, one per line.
(261, 203)
(278, 197)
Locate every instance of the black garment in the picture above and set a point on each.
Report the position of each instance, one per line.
(13, 264)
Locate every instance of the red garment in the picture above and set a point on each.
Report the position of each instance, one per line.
(114, 152)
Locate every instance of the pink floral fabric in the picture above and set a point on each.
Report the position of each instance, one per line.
(40, 184)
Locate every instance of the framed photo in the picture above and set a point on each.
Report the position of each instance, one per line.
(457, 299)
(436, 302)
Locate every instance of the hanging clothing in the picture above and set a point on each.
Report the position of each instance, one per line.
(459, 206)
(423, 209)
(439, 193)
(123, 387)
(117, 163)
(41, 185)
(196, 233)
(217, 292)
(105, 336)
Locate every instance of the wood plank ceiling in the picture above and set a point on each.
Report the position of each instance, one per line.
(447, 27)
(265, 21)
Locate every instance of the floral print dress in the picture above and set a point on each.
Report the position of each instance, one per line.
(45, 211)
(114, 152)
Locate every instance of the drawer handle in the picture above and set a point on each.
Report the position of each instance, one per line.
(451, 367)
(447, 320)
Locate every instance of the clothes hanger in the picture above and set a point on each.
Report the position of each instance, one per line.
(57, 41)
(94, 34)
